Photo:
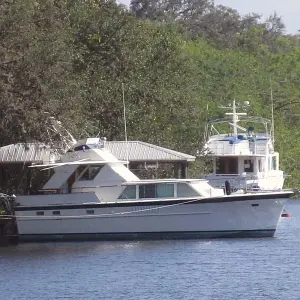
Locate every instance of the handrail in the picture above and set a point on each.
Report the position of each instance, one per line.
(238, 181)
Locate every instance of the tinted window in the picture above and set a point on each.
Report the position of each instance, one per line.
(90, 173)
(56, 213)
(164, 190)
(147, 191)
(274, 163)
(226, 165)
(82, 147)
(248, 165)
(129, 192)
(259, 165)
(94, 171)
(184, 190)
(39, 213)
(85, 175)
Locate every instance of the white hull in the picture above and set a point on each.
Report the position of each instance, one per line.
(235, 218)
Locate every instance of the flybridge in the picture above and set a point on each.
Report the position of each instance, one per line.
(225, 137)
(253, 126)
(242, 150)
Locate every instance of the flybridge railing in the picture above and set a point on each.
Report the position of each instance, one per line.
(214, 127)
(224, 148)
(218, 147)
(248, 182)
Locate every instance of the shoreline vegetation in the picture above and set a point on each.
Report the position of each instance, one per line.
(178, 61)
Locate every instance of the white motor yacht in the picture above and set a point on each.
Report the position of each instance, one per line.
(242, 151)
(93, 195)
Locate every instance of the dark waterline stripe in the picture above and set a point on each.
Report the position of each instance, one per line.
(146, 235)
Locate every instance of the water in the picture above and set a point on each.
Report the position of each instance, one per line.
(267, 268)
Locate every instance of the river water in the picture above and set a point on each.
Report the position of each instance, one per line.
(266, 268)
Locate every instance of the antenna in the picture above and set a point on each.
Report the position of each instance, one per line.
(206, 134)
(272, 110)
(55, 127)
(235, 117)
(125, 126)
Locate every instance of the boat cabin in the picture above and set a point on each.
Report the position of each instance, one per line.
(238, 165)
(177, 188)
(90, 168)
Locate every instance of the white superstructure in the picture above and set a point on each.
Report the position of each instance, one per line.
(242, 150)
(92, 195)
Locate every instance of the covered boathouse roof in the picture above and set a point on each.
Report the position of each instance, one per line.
(137, 152)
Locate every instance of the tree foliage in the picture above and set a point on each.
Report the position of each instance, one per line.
(174, 61)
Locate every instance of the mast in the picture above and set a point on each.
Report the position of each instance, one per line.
(272, 110)
(235, 118)
(125, 125)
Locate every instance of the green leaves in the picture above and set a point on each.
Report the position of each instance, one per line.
(178, 61)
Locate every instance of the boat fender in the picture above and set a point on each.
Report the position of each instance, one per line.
(227, 187)
(286, 214)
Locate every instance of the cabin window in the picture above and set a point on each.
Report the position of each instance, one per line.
(85, 175)
(248, 165)
(227, 165)
(80, 171)
(147, 191)
(56, 213)
(164, 190)
(259, 166)
(274, 163)
(90, 173)
(159, 190)
(90, 211)
(94, 171)
(184, 190)
(129, 192)
(81, 147)
(39, 213)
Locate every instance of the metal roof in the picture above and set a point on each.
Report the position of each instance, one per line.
(20, 153)
(141, 151)
(137, 152)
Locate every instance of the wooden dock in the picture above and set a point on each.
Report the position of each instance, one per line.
(8, 225)
(8, 231)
